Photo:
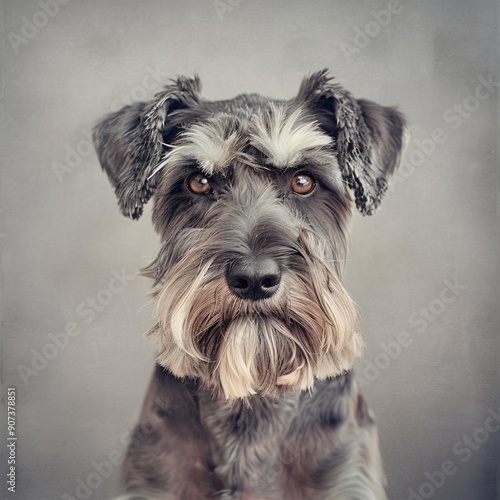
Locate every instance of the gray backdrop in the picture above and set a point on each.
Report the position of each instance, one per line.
(423, 270)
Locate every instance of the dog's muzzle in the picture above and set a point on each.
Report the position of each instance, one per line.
(254, 278)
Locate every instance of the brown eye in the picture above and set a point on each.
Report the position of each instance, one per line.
(199, 184)
(303, 183)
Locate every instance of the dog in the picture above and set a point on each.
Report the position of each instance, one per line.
(253, 396)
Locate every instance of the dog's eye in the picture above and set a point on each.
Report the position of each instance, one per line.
(303, 183)
(199, 184)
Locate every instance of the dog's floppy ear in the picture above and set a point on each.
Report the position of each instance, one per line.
(369, 138)
(130, 142)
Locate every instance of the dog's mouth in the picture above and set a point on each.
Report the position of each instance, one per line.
(257, 355)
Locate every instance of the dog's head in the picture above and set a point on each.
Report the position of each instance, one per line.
(252, 199)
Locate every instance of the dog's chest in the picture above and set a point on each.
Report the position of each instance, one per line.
(247, 443)
(274, 449)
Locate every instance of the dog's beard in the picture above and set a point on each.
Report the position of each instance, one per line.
(238, 347)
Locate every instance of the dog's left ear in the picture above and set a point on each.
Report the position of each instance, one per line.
(130, 142)
(369, 139)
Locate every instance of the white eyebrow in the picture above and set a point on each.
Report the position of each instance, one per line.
(285, 138)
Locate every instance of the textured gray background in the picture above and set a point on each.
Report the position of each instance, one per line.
(62, 236)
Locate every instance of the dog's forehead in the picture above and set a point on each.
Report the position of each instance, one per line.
(233, 131)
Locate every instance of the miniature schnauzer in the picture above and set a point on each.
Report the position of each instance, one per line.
(252, 396)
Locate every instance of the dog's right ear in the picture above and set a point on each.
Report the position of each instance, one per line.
(130, 142)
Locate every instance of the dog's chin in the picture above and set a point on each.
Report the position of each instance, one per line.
(264, 355)
(261, 357)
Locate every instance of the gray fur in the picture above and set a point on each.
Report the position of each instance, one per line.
(252, 398)
(308, 445)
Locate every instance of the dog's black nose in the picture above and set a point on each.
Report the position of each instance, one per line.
(254, 278)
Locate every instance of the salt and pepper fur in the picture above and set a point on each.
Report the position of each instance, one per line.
(252, 399)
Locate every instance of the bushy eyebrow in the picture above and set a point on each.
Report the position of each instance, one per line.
(285, 137)
(274, 138)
